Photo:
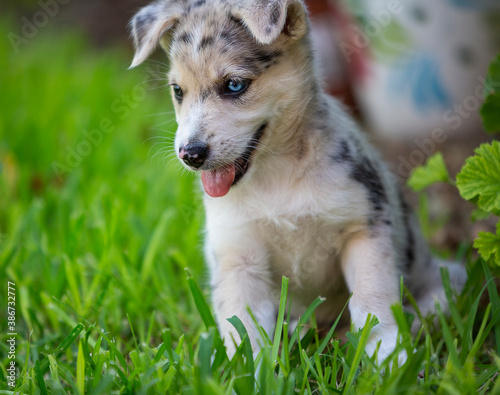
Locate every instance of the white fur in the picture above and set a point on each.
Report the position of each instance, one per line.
(307, 206)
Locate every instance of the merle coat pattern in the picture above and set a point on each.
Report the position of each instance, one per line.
(292, 187)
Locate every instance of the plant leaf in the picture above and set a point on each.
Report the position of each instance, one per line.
(488, 245)
(490, 111)
(432, 172)
(480, 177)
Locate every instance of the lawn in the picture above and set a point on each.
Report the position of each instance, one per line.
(100, 242)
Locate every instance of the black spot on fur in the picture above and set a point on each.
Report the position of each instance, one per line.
(275, 15)
(234, 19)
(344, 152)
(140, 24)
(186, 38)
(205, 42)
(199, 3)
(259, 61)
(252, 147)
(364, 173)
(260, 131)
(266, 59)
(249, 64)
(143, 19)
(229, 37)
(409, 249)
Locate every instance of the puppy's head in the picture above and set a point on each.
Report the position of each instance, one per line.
(234, 66)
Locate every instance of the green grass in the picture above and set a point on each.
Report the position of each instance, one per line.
(98, 252)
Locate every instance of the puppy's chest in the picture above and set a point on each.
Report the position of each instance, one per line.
(306, 250)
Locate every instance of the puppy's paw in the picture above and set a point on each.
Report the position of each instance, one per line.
(387, 337)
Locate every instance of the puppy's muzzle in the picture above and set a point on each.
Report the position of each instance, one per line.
(194, 154)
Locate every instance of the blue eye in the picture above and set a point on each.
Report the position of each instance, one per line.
(236, 86)
(177, 92)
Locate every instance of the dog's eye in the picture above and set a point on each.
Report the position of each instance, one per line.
(178, 92)
(236, 86)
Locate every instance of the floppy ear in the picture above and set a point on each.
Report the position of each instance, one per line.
(267, 19)
(149, 25)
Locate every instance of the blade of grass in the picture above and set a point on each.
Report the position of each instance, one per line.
(205, 347)
(63, 346)
(477, 343)
(496, 387)
(285, 355)
(54, 373)
(448, 337)
(495, 302)
(281, 314)
(329, 335)
(469, 324)
(359, 351)
(303, 319)
(80, 369)
(116, 352)
(40, 380)
(200, 302)
(457, 320)
(97, 348)
(133, 333)
(247, 352)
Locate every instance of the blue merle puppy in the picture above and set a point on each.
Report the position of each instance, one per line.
(291, 186)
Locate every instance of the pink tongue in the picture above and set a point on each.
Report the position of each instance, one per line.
(218, 182)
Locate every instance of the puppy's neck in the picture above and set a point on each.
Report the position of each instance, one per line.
(293, 122)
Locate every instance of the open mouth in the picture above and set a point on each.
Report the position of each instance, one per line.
(217, 182)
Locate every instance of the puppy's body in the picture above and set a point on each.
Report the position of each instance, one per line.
(292, 186)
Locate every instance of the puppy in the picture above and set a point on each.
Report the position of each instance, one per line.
(292, 187)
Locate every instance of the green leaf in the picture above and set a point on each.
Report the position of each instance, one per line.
(432, 172)
(488, 245)
(480, 177)
(493, 77)
(490, 111)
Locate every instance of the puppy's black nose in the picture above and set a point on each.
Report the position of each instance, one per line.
(194, 154)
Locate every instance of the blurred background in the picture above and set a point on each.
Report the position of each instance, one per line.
(92, 197)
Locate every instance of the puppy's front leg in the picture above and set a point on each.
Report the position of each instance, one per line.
(369, 265)
(240, 279)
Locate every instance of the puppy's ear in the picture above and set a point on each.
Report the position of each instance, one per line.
(149, 25)
(267, 19)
